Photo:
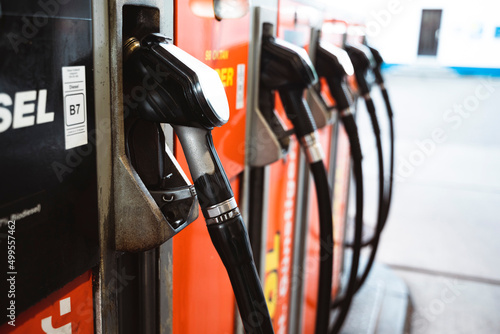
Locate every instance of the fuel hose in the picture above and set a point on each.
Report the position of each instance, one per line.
(390, 116)
(379, 79)
(287, 69)
(334, 64)
(350, 127)
(361, 64)
(225, 226)
(380, 210)
(381, 202)
(299, 114)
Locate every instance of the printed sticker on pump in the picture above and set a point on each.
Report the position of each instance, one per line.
(75, 109)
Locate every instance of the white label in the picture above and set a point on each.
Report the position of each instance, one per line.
(240, 86)
(75, 109)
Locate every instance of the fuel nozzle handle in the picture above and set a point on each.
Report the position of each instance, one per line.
(299, 114)
(340, 92)
(361, 60)
(297, 111)
(334, 64)
(209, 178)
(377, 69)
(165, 84)
(379, 78)
(287, 69)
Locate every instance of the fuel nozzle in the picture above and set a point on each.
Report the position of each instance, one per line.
(287, 69)
(334, 64)
(362, 61)
(167, 85)
(377, 68)
(173, 86)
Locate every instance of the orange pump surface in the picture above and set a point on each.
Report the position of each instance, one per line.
(281, 220)
(295, 26)
(203, 301)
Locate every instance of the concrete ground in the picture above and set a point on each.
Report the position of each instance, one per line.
(443, 233)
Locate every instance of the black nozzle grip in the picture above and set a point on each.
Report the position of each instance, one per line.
(363, 86)
(340, 93)
(297, 111)
(377, 70)
(230, 239)
(379, 78)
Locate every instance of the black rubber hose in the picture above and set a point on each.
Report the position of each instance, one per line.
(379, 79)
(255, 201)
(381, 204)
(299, 114)
(390, 115)
(390, 182)
(230, 238)
(227, 230)
(320, 177)
(352, 133)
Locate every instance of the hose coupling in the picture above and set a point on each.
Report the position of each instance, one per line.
(221, 212)
(312, 147)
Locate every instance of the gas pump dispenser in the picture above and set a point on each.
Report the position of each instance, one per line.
(102, 106)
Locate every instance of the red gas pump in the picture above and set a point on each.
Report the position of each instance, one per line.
(95, 188)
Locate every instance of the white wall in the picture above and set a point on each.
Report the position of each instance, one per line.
(467, 36)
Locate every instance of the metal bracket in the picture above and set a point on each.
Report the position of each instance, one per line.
(322, 116)
(139, 224)
(167, 189)
(263, 144)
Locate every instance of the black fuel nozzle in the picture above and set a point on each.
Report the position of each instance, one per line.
(379, 78)
(334, 64)
(377, 69)
(362, 61)
(167, 85)
(287, 69)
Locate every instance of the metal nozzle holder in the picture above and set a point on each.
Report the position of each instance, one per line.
(154, 200)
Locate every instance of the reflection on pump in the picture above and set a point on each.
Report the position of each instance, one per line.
(220, 9)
